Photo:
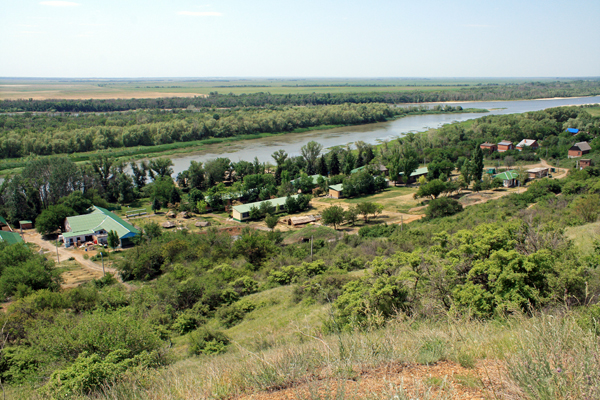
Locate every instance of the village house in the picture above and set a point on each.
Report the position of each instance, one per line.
(509, 178)
(527, 143)
(579, 149)
(491, 147)
(94, 227)
(537, 172)
(505, 145)
(242, 212)
(417, 174)
(336, 191)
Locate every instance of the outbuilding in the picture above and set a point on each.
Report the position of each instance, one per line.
(584, 163)
(579, 149)
(491, 147)
(336, 191)
(26, 224)
(527, 143)
(242, 212)
(505, 145)
(537, 172)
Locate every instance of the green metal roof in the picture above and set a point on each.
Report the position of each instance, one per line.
(355, 170)
(10, 237)
(508, 175)
(339, 187)
(419, 171)
(3, 221)
(315, 179)
(25, 221)
(99, 218)
(280, 201)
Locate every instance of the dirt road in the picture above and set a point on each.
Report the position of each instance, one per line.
(32, 236)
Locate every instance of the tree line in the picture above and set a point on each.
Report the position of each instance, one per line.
(529, 90)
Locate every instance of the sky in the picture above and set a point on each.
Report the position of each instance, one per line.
(308, 38)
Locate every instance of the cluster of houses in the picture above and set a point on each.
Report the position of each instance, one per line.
(506, 145)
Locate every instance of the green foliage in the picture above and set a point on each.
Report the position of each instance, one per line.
(233, 314)
(431, 189)
(23, 271)
(53, 218)
(292, 273)
(271, 221)
(333, 215)
(443, 207)
(204, 341)
(254, 247)
(113, 239)
(89, 371)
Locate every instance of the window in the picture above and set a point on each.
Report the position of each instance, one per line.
(245, 215)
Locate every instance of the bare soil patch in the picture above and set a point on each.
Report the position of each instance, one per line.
(442, 380)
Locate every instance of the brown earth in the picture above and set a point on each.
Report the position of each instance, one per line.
(442, 380)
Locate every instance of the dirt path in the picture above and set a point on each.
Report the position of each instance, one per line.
(64, 254)
(442, 380)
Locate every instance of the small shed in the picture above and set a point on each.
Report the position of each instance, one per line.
(537, 172)
(202, 224)
(335, 191)
(505, 145)
(25, 224)
(579, 149)
(4, 225)
(168, 224)
(584, 163)
(491, 147)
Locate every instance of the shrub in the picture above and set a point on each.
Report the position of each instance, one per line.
(204, 341)
(443, 207)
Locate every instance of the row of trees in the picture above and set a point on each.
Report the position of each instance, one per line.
(529, 90)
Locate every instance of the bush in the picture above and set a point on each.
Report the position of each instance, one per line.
(443, 207)
(91, 371)
(235, 313)
(204, 341)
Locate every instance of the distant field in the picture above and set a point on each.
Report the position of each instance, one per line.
(42, 89)
(595, 111)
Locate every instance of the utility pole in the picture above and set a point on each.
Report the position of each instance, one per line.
(102, 258)
(311, 248)
(57, 259)
(401, 223)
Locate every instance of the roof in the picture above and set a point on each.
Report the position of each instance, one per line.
(280, 201)
(572, 130)
(99, 218)
(505, 143)
(355, 170)
(583, 146)
(25, 221)
(508, 175)
(338, 188)
(526, 142)
(3, 221)
(536, 170)
(486, 144)
(418, 172)
(10, 237)
(315, 179)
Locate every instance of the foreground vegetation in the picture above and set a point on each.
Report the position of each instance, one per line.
(462, 288)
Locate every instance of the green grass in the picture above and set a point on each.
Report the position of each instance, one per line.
(318, 232)
(594, 111)
(583, 236)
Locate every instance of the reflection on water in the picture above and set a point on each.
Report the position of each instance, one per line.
(371, 133)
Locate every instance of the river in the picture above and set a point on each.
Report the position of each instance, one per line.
(370, 133)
